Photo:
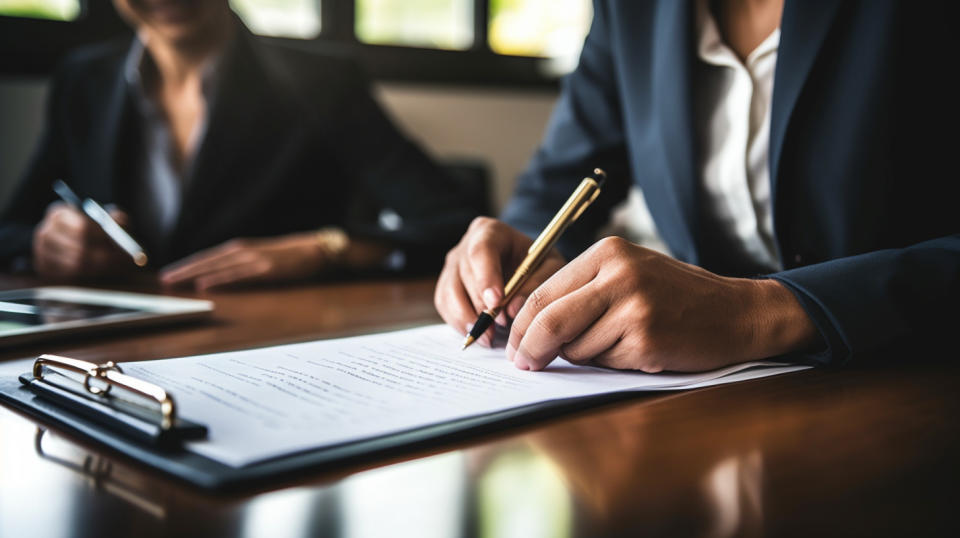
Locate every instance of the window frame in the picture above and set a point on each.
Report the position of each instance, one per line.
(32, 47)
(35, 46)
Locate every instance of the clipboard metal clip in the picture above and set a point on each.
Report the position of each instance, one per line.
(110, 375)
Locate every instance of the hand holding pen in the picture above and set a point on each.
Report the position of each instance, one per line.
(472, 281)
(617, 304)
(69, 243)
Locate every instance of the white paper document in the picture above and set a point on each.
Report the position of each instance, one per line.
(263, 403)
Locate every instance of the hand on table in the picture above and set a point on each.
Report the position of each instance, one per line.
(67, 244)
(624, 306)
(243, 261)
(472, 278)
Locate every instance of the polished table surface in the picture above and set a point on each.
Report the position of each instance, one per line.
(860, 451)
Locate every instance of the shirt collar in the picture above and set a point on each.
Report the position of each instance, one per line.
(138, 67)
(712, 49)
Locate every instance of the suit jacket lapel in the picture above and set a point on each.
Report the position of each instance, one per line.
(104, 168)
(235, 123)
(803, 29)
(673, 63)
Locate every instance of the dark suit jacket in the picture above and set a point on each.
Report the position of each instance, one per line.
(863, 189)
(294, 142)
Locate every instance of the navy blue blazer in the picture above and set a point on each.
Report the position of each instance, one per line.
(863, 189)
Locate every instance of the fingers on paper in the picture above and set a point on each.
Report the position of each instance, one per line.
(485, 251)
(452, 301)
(562, 310)
(549, 267)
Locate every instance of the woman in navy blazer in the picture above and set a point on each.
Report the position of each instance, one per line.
(863, 193)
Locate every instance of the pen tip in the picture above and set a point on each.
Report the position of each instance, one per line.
(140, 259)
(467, 342)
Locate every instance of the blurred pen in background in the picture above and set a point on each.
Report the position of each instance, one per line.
(99, 215)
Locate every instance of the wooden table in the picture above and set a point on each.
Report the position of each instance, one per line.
(865, 451)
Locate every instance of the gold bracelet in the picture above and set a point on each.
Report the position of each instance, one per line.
(333, 243)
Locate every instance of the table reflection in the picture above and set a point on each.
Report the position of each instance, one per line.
(514, 491)
(599, 474)
(733, 488)
(521, 493)
(623, 481)
(425, 497)
(96, 470)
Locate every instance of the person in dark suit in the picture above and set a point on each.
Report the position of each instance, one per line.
(231, 159)
(795, 160)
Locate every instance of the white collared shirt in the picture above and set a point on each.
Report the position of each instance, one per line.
(732, 100)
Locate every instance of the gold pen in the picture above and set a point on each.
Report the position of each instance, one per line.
(578, 202)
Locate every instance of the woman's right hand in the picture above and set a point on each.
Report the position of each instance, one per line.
(67, 244)
(475, 270)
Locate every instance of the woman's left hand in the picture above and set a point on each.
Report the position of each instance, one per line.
(624, 306)
(242, 261)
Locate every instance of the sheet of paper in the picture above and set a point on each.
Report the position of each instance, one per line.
(264, 403)
(14, 368)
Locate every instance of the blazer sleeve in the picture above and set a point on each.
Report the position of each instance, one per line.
(865, 303)
(585, 132)
(26, 207)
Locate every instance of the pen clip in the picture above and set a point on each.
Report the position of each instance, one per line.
(586, 204)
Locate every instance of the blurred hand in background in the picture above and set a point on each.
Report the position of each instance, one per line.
(290, 257)
(67, 244)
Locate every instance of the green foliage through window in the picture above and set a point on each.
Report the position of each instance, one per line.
(442, 24)
(548, 28)
(280, 18)
(57, 10)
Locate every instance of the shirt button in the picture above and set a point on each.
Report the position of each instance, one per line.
(798, 259)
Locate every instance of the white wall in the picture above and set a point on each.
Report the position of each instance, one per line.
(21, 116)
(499, 126)
(502, 127)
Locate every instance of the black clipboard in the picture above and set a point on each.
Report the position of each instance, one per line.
(169, 457)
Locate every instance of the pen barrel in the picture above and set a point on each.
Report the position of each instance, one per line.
(66, 194)
(119, 236)
(529, 265)
(576, 204)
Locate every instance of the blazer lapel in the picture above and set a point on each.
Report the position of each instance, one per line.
(235, 123)
(103, 164)
(803, 29)
(673, 109)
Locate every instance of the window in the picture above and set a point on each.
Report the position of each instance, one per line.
(476, 42)
(298, 19)
(57, 10)
(552, 29)
(440, 24)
